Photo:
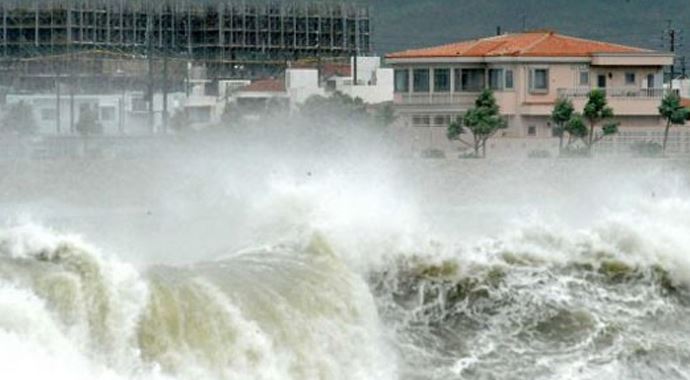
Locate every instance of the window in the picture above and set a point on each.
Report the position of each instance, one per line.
(107, 113)
(420, 80)
(496, 79)
(531, 131)
(471, 80)
(441, 80)
(601, 81)
(402, 80)
(421, 121)
(630, 78)
(442, 120)
(539, 80)
(509, 80)
(650, 81)
(584, 78)
(48, 114)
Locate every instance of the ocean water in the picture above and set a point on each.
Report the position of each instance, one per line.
(360, 266)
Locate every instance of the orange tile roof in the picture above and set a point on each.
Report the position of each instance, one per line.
(528, 44)
(265, 85)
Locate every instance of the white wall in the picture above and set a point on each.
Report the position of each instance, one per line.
(366, 67)
(380, 92)
(683, 86)
(135, 121)
(302, 84)
(375, 83)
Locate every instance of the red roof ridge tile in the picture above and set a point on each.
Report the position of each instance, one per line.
(634, 48)
(545, 43)
(535, 43)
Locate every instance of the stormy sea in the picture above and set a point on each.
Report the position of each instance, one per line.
(343, 262)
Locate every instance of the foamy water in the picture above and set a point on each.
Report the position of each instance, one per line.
(344, 270)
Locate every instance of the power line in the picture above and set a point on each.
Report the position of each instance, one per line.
(671, 36)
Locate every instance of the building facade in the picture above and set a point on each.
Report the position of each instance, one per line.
(528, 72)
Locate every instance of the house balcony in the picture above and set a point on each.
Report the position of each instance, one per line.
(619, 92)
(624, 101)
(441, 98)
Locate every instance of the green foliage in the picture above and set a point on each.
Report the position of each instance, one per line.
(597, 107)
(576, 127)
(483, 121)
(597, 110)
(610, 128)
(88, 123)
(19, 119)
(673, 112)
(562, 112)
(455, 129)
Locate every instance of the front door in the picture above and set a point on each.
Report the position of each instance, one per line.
(650, 81)
(601, 81)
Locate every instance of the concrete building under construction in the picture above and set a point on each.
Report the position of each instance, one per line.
(119, 42)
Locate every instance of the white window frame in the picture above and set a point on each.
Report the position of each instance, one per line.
(587, 74)
(458, 80)
(512, 80)
(532, 80)
(450, 80)
(634, 78)
(406, 72)
(428, 80)
(500, 80)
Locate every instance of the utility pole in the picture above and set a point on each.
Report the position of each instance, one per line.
(672, 36)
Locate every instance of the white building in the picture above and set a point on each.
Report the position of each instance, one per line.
(126, 113)
(374, 83)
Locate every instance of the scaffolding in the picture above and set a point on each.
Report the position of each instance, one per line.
(106, 38)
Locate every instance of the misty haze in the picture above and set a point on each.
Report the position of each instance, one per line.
(374, 190)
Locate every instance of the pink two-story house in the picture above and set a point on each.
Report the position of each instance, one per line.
(528, 72)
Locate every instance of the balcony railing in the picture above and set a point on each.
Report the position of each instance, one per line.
(437, 98)
(628, 93)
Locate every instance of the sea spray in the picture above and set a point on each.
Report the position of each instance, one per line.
(286, 312)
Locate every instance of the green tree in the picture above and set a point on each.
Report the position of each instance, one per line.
(673, 111)
(561, 115)
(483, 121)
(88, 123)
(335, 108)
(19, 118)
(597, 111)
